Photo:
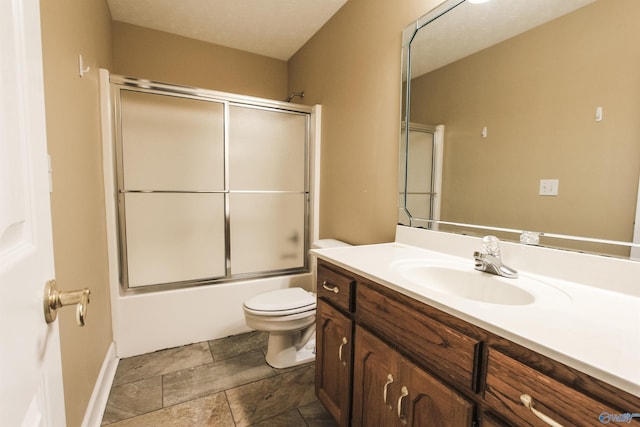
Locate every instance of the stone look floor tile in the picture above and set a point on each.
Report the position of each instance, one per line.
(316, 415)
(209, 411)
(190, 381)
(288, 419)
(270, 397)
(213, 377)
(162, 362)
(131, 399)
(225, 348)
(293, 368)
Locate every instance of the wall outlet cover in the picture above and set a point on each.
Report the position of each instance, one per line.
(549, 187)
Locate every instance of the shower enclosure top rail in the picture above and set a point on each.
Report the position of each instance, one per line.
(207, 93)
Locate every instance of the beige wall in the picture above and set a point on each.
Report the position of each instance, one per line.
(537, 94)
(164, 57)
(352, 67)
(70, 27)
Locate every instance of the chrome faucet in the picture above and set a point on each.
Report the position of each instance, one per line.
(490, 260)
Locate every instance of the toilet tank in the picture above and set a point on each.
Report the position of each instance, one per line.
(328, 243)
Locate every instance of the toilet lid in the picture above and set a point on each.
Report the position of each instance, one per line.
(281, 300)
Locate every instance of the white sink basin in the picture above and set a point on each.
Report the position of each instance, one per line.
(463, 281)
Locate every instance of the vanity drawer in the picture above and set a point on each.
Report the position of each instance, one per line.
(336, 286)
(448, 353)
(509, 381)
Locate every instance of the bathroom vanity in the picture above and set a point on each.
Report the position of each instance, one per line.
(391, 351)
(410, 333)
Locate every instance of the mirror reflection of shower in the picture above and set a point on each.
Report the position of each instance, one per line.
(294, 95)
(420, 180)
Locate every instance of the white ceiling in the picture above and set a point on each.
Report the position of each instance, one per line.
(274, 28)
(278, 28)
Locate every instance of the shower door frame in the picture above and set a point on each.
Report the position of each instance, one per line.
(119, 83)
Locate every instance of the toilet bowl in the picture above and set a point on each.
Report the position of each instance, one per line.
(289, 315)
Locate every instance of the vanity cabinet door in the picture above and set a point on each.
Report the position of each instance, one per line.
(389, 390)
(334, 332)
(375, 382)
(426, 401)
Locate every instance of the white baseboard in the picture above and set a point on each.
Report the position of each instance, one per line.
(98, 402)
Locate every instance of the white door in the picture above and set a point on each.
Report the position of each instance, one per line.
(30, 370)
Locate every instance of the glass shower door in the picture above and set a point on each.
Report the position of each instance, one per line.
(172, 185)
(268, 189)
(211, 187)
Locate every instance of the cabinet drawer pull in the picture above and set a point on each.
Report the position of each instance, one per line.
(404, 392)
(331, 288)
(527, 401)
(344, 341)
(384, 392)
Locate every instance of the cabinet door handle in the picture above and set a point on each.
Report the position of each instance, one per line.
(384, 392)
(404, 392)
(527, 401)
(331, 288)
(344, 341)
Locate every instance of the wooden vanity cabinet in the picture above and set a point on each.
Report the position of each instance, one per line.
(489, 420)
(389, 390)
(334, 335)
(413, 364)
(454, 355)
(334, 342)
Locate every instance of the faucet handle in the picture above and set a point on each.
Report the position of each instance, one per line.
(491, 245)
(478, 258)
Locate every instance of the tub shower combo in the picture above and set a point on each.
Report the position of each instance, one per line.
(209, 202)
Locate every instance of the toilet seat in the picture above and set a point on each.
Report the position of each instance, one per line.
(281, 302)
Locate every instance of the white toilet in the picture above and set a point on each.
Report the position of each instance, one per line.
(289, 315)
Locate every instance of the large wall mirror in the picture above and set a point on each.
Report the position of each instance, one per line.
(524, 115)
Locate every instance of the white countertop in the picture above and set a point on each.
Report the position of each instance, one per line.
(594, 330)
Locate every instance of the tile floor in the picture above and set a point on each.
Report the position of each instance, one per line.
(224, 382)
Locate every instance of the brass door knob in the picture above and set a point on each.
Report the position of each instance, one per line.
(54, 299)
